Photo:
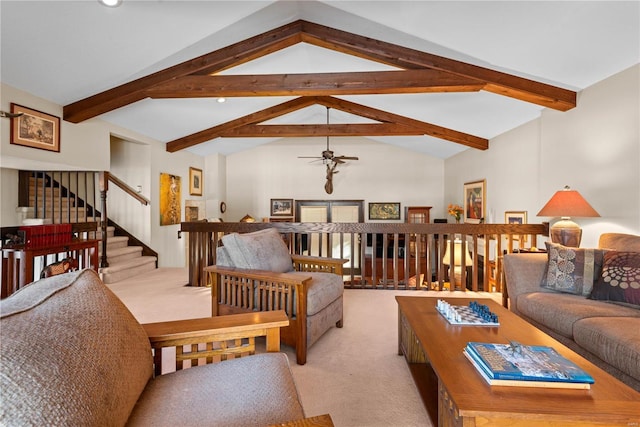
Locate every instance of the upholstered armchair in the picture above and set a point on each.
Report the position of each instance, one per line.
(256, 272)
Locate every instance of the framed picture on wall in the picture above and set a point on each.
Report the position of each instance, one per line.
(384, 211)
(35, 129)
(516, 217)
(195, 182)
(474, 202)
(281, 207)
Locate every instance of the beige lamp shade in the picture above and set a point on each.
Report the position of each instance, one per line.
(565, 204)
(457, 254)
(455, 275)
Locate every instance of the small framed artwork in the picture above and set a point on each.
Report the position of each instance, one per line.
(281, 207)
(474, 202)
(35, 129)
(516, 217)
(195, 182)
(384, 211)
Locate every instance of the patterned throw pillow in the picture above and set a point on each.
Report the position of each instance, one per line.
(572, 270)
(620, 280)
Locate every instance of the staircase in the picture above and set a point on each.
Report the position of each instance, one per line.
(125, 261)
(51, 201)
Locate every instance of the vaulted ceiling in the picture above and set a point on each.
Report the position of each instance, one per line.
(434, 77)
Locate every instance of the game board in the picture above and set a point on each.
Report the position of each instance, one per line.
(472, 315)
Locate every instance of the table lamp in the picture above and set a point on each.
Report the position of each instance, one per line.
(456, 277)
(565, 204)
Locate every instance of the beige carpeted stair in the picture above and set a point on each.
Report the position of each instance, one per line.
(124, 261)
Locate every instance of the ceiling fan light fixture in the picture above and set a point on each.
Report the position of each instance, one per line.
(110, 3)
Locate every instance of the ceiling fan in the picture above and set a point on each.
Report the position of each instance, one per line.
(327, 155)
(331, 161)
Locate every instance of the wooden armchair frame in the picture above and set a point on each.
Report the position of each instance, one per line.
(221, 337)
(235, 290)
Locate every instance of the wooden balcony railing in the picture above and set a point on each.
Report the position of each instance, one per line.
(383, 256)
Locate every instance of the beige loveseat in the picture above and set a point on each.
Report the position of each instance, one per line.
(606, 330)
(73, 355)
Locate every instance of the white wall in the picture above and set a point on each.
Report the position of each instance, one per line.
(383, 174)
(86, 146)
(594, 148)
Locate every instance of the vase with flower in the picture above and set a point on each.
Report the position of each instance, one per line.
(455, 211)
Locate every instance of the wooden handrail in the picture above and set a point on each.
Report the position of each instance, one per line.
(127, 189)
(389, 266)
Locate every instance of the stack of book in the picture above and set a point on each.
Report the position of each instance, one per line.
(526, 366)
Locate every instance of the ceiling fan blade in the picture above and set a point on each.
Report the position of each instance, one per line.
(309, 157)
(346, 158)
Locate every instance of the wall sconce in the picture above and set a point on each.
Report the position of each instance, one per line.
(565, 204)
(455, 272)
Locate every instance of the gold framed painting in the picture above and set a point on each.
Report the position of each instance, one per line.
(474, 202)
(384, 211)
(170, 210)
(35, 129)
(195, 182)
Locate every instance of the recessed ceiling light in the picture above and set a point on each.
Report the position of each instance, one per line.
(221, 100)
(110, 3)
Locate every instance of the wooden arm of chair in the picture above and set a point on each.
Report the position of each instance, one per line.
(223, 336)
(261, 275)
(315, 263)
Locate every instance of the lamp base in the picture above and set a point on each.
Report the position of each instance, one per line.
(566, 233)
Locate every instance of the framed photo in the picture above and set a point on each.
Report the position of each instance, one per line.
(35, 129)
(474, 202)
(384, 211)
(516, 217)
(195, 182)
(281, 207)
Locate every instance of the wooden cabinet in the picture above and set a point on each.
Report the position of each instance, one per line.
(417, 214)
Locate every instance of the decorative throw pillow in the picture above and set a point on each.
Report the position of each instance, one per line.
(572, 270)
(620, 279)
(260, 250)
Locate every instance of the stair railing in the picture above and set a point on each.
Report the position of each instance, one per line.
(104, 178)
(72, 197)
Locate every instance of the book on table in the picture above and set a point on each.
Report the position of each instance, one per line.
(526, 366)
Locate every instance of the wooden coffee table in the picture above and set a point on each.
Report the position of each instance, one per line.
(455, 394)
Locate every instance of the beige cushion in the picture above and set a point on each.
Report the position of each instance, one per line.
(620, 242)
(252, 391)
(560, 312)
(72, 354)
(260, 250)
(616, 340)
(323, 290)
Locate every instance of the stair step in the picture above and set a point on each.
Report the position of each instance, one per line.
(123, 254)
(116, 242)
(123, 270)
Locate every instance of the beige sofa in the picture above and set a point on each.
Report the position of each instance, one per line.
(605, 332)
(73, 355)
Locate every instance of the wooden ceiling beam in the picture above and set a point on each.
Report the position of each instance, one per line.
(232, 55)
(497, 82)
(360, 83)
(257, 117)
(285, 131)
(394, 124)
(385, 116)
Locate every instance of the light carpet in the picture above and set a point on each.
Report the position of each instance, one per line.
(353, 373)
